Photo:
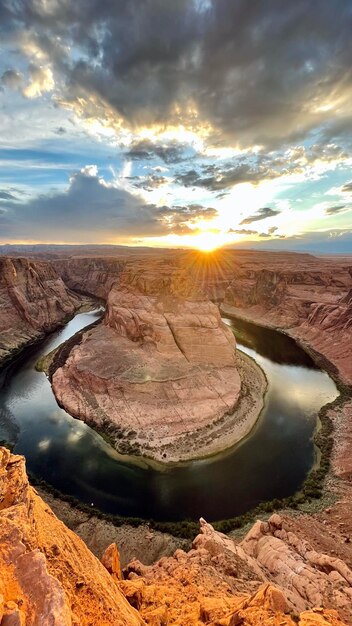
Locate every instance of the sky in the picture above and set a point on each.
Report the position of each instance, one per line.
(177, 123)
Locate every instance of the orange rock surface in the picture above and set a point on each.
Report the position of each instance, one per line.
(265, 579)
(48, 577)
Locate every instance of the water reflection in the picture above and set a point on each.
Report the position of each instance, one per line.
(272, 462)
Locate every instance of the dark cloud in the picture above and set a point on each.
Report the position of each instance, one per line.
(249, 232)
(256, 169)
(255, 72)
(12, 78)
(262, 214)
(169, 153)
(335, 209)
(242, 231)
(347, 188)
(225, 177)
(5, 195)
(153, 181)
(191, 213)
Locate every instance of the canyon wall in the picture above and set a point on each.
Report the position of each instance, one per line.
(312, 304)
(48, 577)
(94, 276)
(33, 300)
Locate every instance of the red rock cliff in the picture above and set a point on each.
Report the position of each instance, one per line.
(33, 300)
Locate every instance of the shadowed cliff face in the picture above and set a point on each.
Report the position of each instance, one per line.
(49, 577)
(33, 300)
(94, 276)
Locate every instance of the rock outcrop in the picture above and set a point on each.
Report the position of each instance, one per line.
(48, 577)
(33, 300)
(271, 577)
(160, 371)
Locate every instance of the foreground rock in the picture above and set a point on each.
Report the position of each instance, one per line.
(47, 574)
(49, 577)
(159, 376)
(269, 578)
(33, 301)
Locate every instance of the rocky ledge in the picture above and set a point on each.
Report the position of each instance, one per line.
(49, 577)
(33, 300)
(160, 376)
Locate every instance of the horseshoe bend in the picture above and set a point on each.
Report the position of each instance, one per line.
(160, 374)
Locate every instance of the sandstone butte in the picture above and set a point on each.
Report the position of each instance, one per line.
(48, 577)
(159, 375)
(33, 301)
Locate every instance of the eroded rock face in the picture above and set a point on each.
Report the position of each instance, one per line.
(162, 366)
(312, 305)
(271, 577)
(48, 577)
(33, 300)
(94, 276)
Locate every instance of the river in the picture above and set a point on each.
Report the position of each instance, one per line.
(272, 462)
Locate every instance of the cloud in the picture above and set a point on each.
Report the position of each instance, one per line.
(216, 178)
(171, 152)
(333, 210)
(242, 231)
(5, 195)
(153, 181)
(12, 79)
(41, 80)
(91, 210)
(347, 188)
(265, 76)
(262, 214)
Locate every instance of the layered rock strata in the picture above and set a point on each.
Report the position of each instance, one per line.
(33, 300)
(93, 276)
(160, 371)
(314, 306)
(49, 577)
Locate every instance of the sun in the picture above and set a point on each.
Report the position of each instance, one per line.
(208, 241)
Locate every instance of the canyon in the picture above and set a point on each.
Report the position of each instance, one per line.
(162, 320)
(33, 301)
